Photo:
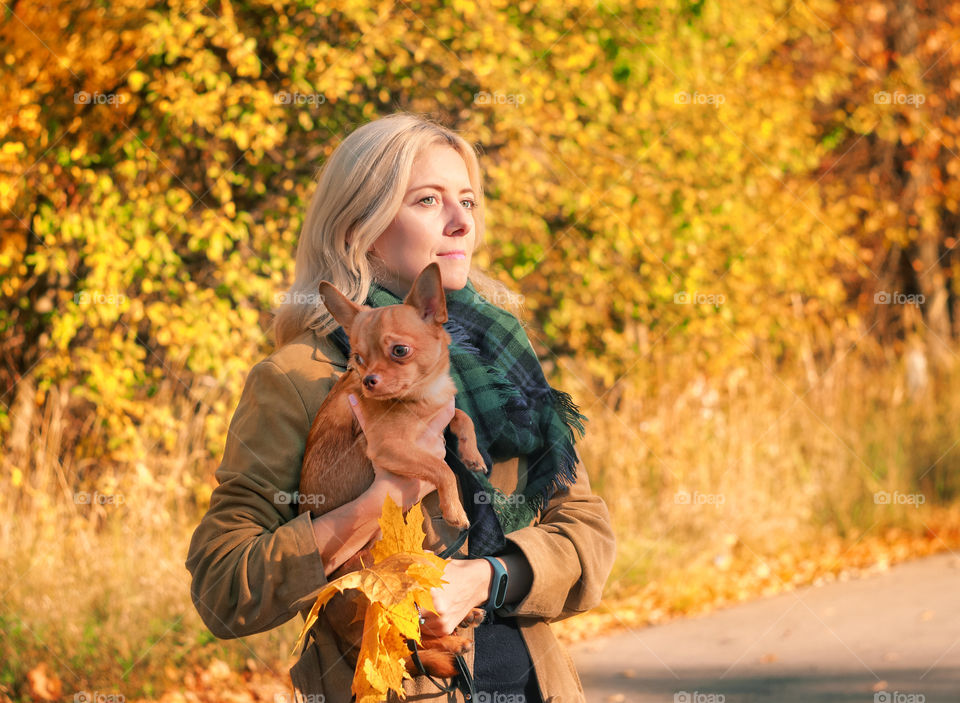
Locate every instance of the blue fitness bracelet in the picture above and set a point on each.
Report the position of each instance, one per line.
(498, 585)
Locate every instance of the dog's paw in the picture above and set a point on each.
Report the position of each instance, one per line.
(459, 521)
(474, 462)
(462, 647)
(437, 655)
(473, 618)
(452, 645)
(454, 514)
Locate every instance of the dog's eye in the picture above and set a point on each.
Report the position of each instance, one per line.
(400, 351)
(358, 359)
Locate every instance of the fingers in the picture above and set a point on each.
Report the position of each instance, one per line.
(404, 490)
(436, 625)
(442, 418)
(430, 624)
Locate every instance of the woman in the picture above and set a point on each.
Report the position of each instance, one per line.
(397, 194)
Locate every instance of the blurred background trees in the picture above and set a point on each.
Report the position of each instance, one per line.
(733, 227)
(781, 168)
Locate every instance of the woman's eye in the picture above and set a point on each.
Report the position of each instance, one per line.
(400, 351)
(470, 204)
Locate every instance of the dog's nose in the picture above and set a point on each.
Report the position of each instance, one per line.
(370, 381)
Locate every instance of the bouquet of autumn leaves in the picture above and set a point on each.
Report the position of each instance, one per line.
(399, 579)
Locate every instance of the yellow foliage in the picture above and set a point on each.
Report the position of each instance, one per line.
(399, 579)
(635, 156)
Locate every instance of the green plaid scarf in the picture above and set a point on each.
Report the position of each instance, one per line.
(501, 386)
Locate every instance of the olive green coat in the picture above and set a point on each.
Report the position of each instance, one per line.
(255, 563)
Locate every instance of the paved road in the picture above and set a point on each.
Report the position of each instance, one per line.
(892, 637)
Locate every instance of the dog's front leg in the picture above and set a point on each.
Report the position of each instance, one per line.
(406, 461)
(462, 426)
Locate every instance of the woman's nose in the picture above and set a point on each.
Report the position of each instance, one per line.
(460, 220)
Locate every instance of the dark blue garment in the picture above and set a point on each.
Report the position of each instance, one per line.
(501, 662)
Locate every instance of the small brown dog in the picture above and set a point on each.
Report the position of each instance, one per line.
(399, 371)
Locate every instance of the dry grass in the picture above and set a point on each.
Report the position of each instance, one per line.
(762, 464)
(100, 593)
(93, 561)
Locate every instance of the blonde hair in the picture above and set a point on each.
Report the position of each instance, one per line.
(359, 191)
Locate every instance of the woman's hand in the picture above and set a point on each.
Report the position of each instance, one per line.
(468, 588)
(468, 579)
(404, 490)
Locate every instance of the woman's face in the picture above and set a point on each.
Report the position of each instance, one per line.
(435, 223)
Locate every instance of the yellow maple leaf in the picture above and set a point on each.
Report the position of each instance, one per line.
(399, 580)
(399, 534)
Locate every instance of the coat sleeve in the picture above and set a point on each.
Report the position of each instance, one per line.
(571, 552)
(254, 561)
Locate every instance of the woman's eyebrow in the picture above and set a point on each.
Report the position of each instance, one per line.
(438, 187)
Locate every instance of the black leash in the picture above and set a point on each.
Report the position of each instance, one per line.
(457, 543)
(463, 681)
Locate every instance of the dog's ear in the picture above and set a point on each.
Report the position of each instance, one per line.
(340, 306)
(427, 295)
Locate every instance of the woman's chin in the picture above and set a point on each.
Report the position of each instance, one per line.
(454, 274)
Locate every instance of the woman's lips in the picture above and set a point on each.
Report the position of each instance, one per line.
(453, 255)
